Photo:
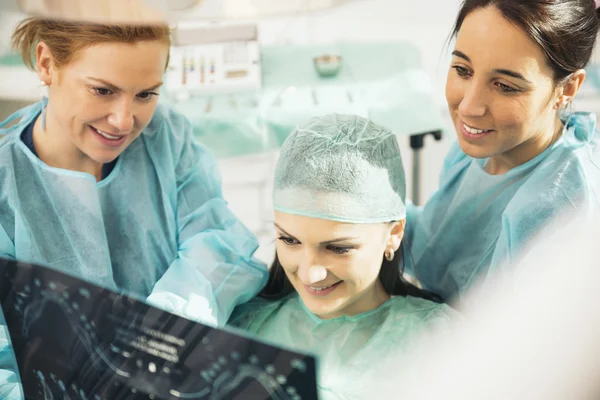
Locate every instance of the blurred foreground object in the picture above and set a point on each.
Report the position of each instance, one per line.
(153, 11)
(104, 11)
(533, 334)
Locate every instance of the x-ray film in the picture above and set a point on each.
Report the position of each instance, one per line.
(75, 340)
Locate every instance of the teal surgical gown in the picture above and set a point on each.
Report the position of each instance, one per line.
(476, 221)
(354, 354)
(157, 227)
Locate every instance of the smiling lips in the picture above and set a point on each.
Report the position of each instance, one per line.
(106, 139)
(322, 287)
(471, 134)
(109, 136)
(322, 290)
(475, 131)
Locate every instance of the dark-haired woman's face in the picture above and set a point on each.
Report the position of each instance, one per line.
(500, 92)
(334, 266)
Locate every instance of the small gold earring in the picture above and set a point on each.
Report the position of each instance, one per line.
(389, 255)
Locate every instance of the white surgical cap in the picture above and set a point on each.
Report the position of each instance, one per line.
(342, 168)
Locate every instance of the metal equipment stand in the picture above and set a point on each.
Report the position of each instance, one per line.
(416, 144)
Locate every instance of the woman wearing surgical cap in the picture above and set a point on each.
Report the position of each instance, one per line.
(334, 288)
(99, 181)
(522, 156)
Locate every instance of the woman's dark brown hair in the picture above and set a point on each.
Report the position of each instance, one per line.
(566, 30)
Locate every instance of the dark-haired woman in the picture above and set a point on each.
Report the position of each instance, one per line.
(335, 289)
(522, 156)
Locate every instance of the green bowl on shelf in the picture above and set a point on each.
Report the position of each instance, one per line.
(327, 65)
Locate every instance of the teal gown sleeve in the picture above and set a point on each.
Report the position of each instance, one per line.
(214, 269)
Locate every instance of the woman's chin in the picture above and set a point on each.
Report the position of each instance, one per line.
(324, 308)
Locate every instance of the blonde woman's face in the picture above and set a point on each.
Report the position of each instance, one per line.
(101, 101)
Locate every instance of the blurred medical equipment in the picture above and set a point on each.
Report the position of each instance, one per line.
(394, 91)
(209, 60)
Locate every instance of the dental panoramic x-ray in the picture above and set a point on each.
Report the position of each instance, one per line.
(76, 340)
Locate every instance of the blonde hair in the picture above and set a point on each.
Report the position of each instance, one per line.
(66, 38)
